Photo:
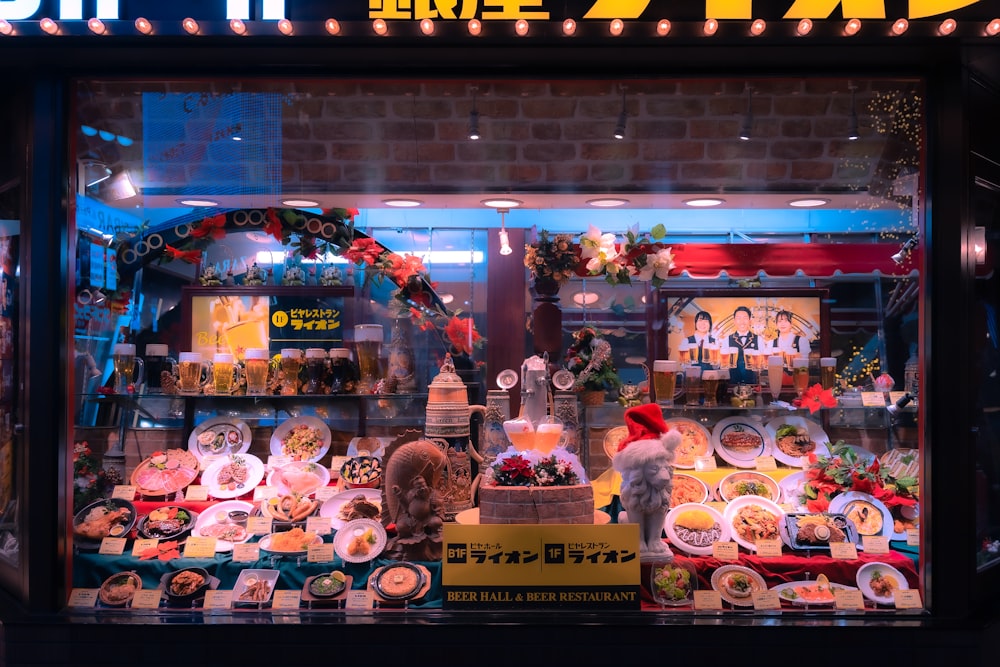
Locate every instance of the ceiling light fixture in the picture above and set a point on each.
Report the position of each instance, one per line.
(402, 203)
(947, 27)
(500, 202)
(804, 27)
(584, 298)
(198, 202)
(852, 119)
(619, 132)
(300, 203)
(808, 203)
(505, 248)
(569, 27)
(746, 124)
(606, 202)
(333, 26)
(704, 202)
(904, 252)
(474, 117)
(663, 27)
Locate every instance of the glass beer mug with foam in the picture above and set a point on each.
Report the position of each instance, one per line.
(191, 371)
(256, 364)
(128, 368)
(368, 348)
(226, 373)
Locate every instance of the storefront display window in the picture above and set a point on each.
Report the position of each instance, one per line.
(259, 328)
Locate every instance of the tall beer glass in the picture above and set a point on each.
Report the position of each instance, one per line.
(225, 373)
(775, 374)
(368, 346)
(256, 360)
(190, 369)
(291, 364)
(828, 372)
(128, 368)
(710, 385)
(800, 374)
(665, 380)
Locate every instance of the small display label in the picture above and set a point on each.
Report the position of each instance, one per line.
(359, 599)
(765, 463)
(875, 544)
(318, 524)
(112, 546)
(275, 462)
(913, 537)
(248, 552)
(264, 493)
(766, 601)
(908, 599)
(147, 598)
(286, 599)
(199, 547)
(727, 551)
(324, 493)
(769, 548)
(708, 600)
(124, 492)
(848, 599)
(142, 545)
(843, 550)
(196, 493)
(703, 463)
(873, 399)
(259, 525)
(82, 597)
(218, 599)
(320, 553)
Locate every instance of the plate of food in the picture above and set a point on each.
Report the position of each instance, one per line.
(327, 585)
(350, 505)
(818, 531)
(739, 441)
(219, 436)
(752, 518)
(302, 438)
(255, 586)
(119, 589)
(167, 523)
(165, 472)
(294, 542)
(693, 528)
(233, 475)
(795, 437)
(793, 487)
(215, 522)
(359, 541)
(299, 477)
(818, 592)
(112, 517)
(747, 483)
(183, 587)
(687, 489)
(879, 582)
(868, 514)
(289, 508)
(900, 463)
(399, 581)
(613, 438)
(696, 441)
(737, 584)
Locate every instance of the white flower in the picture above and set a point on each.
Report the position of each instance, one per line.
(658, 264)
(593, 245)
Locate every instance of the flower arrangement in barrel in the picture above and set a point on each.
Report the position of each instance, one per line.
(532, 468)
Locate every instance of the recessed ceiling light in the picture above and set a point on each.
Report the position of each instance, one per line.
(502, 203)
(305, 203)
(197, 202)
(585, 298)
(607, 202)
(808, 203)
(704, 202)
(402, 203)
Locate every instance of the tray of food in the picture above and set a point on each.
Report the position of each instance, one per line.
(165, 472)
(255, 587)
(737, 584)
(688, 489)
(219, 436)
(167, 523)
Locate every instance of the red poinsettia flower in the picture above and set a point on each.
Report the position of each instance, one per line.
(364, 251)
(214, 227)
(816, 397)
(462, 334)
(189, 256)
(273, 225)
(818, 505)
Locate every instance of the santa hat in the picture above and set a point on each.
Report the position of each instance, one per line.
(649, 438)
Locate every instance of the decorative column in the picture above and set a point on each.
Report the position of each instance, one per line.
(547, 318)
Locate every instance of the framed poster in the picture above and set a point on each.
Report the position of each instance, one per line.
(234, 319)
(770, 321)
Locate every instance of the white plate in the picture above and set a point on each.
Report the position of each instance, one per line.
(799, 602)
(750, 475)
(816, 434)
(741, 458)
(793, 486)
(688, 449)
(265, 545)
(220, 426)
(255, 473)
(696, 550)
(733, 508)
(864, 576)
(352, 529)
(331, 508)
(247, 577)
(757, 583)
(322, 477)
(842, 505)
(281, 432)
(209, 517)
(703, 491)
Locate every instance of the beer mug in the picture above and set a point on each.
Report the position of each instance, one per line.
(291, 364)
(710, 380)
(727, 356)
(158, 362)
(315, 369)
(190, 372)
(710, 354)
(256, 363)
(128, 368)
(226, 374)
(665, 380)
(692, 384)
(368, 347)
(800, 374)
(828, 372)
(343, 371)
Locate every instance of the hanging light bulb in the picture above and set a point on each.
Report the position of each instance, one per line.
(746, 125)
(474, 117)
(852, 120)
(619, 132)
(505, 248)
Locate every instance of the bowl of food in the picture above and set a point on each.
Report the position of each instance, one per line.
(361, 472)
(187, 585)
(328, 585)
(119, 589)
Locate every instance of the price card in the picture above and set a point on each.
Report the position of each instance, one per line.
(848, 599)
(199, 547)
(248, 552)
(264, 493)
(142, 545)
(218, 599)
(196, 493)
(765, 463)
(908, 599)
(708, 600)
(324, 493)
(82, 597)
(275, 462)
(147, 598)
(124, 492)
(359, 599)
(769, 548)
(873, 399)
(320, 553)
(913, 537)
(259, 525)
(766, 600)
(286, 599)
(843, 550)
(704, 463)
(875, 544)
(112, 546)
(728, 551)
(318, 524)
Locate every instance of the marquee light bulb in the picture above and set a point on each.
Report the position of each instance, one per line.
(711, 27)
(238, 27)
(993, 28)
(427, 26)
(333, 26)
(757, 27)
(285, 27)
(5, 27)
(804, 27)
(947, 27)
(852, 27)
(48, 26)
(190, 26)
(663, 27)
(521, 27)
(380, 27)
(900, 26)
(475, 27)
(96, 26)
(569, 27)
(616, 27)
(143, 25)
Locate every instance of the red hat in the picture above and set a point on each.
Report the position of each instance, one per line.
(649, 438)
